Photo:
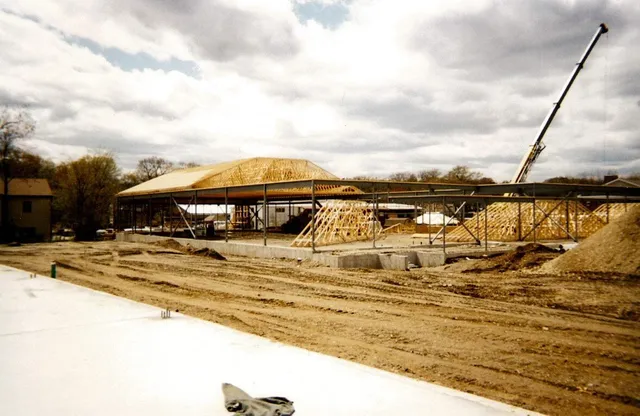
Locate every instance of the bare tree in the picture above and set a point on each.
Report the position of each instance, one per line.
(403, 177)
(187, 165)
(152, 167)
(431, 175)
(15, 124)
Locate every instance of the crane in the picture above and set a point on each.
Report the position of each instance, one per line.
(537, 147)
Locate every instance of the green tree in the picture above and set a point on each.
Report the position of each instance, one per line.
(129, 180)
(30, 165)
(462, 174)
(16, 124)
(85, 191)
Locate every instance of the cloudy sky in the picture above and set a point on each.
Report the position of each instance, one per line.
(361, 87)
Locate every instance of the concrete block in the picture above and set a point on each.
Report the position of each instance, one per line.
(359, 261)
(399, 262)
(431, 259)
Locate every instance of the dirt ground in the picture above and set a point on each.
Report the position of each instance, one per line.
(557, 344)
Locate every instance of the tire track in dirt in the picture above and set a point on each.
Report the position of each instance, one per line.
(424, 325)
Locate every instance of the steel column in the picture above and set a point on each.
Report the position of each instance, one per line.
(135, 216)
(567, 218)
(486, 234)
(444, 228)
(226, 216)
(519, 221)
(478, 219)
(170, 215)
(195, 234)
(576, 220)
(264, 214)
(373, 217)
(534, 220)
(429, 226)
(313, 216)
(415, 214)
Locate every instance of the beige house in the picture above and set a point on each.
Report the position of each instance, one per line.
(30, 203)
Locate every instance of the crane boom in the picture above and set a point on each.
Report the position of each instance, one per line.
(537, 147)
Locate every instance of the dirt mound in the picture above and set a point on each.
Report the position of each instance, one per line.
(523, 257)
(206, 252)
(171, 244)
(189, 249)
(615, 248)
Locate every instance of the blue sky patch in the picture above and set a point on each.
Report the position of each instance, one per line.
(330, 16)
(141, 60)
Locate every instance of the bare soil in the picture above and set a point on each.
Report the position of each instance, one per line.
(558, 344)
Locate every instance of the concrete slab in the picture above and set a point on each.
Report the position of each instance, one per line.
(66, 349)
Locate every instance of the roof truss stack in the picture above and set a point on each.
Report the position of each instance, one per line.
(509, 221)
(340, 222)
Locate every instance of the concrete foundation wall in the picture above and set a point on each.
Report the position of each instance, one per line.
(388, 261)
(233, 249)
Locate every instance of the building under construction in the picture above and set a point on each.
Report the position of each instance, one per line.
(347, 211)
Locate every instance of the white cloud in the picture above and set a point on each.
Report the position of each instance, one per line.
(397, 86)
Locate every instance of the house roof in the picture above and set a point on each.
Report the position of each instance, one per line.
(253, 171)
(624, 182)
(27, 187)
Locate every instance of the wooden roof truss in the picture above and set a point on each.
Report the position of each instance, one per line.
(529, 221)
(340, 222)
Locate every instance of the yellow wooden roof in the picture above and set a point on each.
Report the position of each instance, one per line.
(239, 172)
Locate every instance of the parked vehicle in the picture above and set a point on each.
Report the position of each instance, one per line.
(106, 234)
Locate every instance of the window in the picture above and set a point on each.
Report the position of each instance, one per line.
(26, 207)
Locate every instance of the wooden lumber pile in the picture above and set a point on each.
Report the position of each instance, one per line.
(555, 219)
(340, 222)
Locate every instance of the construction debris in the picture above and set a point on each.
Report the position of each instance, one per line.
(523, 257)
(189, 249)
(205, 252)
(340, 222)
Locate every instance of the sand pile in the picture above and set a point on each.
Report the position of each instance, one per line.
(615, 248)
(170, 244)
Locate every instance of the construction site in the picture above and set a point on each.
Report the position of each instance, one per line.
(524, 293)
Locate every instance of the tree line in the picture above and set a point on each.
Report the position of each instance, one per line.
(84, 189)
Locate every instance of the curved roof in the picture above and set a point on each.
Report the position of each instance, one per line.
(253, 171)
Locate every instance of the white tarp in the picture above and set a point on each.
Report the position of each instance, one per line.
(435, 219)
(206, 209)
(69, 350)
